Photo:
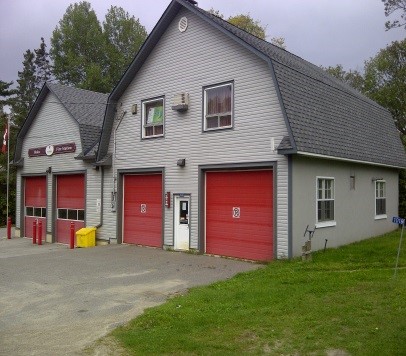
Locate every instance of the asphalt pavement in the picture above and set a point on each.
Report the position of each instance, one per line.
(57, 301)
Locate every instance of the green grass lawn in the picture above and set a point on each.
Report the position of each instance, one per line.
(345, 299)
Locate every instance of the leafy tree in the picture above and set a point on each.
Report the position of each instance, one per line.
(215, 13)
(278, 41)
(78, 49)
(42, 63)
(6, 96)
(247, 23)
(385, 81)
(352, 77)
(392, 6)
(124, 36)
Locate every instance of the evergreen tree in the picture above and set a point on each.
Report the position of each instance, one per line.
(5, 94)
(26, 88)
(42, 64)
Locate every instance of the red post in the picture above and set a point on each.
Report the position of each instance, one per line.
(9, 227)
(34, 232)
(72, 235)
(39, 232)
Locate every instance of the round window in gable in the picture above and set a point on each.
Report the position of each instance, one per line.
(183, 24)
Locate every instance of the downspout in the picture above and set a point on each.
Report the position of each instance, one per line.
(114, 192)
(101, 199)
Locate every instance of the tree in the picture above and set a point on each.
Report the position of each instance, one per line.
(42, 64)
(353, 77)
(247, 23)
(278, 41)
(385, 81)
(392, 6)
(124, 36)
(5, 94)
(26, 88)
(78, 49)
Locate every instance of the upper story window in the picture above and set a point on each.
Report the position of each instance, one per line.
(153, 118)
(325, 202)
(218, 107)
(380, 199)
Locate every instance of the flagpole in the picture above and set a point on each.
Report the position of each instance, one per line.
(8, 162)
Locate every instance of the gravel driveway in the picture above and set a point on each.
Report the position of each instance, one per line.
(56, 301)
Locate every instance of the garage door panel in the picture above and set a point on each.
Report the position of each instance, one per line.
(71, 191)
(248, 234)
(34, 204)
(70, 199)
(142, 209)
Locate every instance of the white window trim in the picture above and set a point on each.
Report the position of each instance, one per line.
(204, 107)
(329, 223)
(143, 117)
(380, 216)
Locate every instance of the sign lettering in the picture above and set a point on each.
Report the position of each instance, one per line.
(397, 220)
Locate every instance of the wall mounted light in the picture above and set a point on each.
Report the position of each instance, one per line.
(134, 108)
(181, 162)
(49, 170)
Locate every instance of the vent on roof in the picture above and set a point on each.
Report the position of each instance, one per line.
(182, 24)
(180, 102)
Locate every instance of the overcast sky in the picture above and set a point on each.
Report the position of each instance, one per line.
(324, 32)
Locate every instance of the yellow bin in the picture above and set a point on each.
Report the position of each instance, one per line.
(86, 237)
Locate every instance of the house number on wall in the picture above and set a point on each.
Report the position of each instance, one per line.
(236, 212)
(143, 208)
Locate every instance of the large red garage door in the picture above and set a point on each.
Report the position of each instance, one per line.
(143, 209)
(35, 203)
(239, 214)
(70, 203)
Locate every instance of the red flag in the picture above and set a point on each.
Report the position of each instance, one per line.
(5, 137)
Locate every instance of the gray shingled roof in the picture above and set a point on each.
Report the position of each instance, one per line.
(324, 116)
(86, 108)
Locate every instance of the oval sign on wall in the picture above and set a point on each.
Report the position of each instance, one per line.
(49, 150)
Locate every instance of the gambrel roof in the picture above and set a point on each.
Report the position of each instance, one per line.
(324, 116)
(86, 108)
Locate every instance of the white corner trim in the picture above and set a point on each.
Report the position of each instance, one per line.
(323, 224)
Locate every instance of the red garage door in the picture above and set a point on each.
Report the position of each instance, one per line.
(70, 203)
(239, 214)
(35, 203)
(143, 209)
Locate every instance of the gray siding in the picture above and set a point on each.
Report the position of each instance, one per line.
(54, 125)
(354, 208)
(186, 62)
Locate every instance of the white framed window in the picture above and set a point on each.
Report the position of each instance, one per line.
(325, 196)
(380, 199)
(153, 118)
(218, 107)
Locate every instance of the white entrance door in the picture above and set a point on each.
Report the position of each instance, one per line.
(182, 222)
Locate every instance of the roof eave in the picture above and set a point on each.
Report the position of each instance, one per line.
(28, 121)
(342, 159)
